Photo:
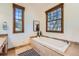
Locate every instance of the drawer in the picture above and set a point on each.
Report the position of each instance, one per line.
(1, 50)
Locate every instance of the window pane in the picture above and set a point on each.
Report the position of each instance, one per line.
(59, 25)
(48, 24)
(49, 16)
(16, 10)
(18, 25)
(59, 13)
(18, 16)
(16, 13)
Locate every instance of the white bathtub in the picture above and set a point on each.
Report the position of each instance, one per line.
(57, 45)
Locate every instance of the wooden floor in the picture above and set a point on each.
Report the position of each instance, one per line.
(18, 50)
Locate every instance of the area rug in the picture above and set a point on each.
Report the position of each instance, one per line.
(30, 52)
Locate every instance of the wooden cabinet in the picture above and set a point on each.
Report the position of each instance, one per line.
(3, 44)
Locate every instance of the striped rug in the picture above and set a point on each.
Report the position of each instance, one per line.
(30, 52)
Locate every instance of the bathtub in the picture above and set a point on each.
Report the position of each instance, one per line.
(56, 45)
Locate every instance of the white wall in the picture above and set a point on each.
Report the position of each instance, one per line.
(71, 22)
(71, 16)
(6, 14)
(3, 17)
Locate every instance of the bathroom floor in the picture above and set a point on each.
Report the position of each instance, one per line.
(18, 50)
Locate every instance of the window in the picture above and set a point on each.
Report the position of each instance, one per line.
(18, 18)
(54, 19)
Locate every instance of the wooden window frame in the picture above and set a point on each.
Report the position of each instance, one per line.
(14, 19)
(61, 5)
